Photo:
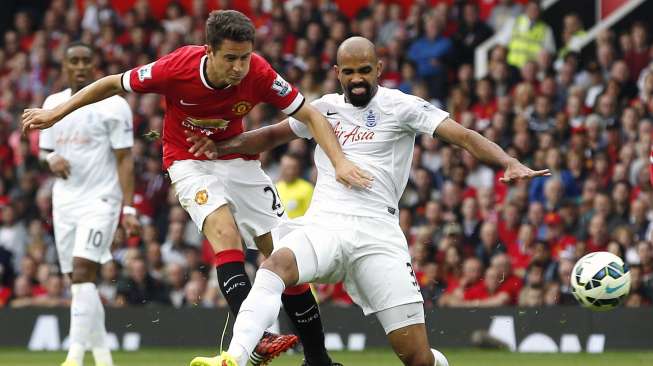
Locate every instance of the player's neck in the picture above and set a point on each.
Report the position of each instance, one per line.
(212, 80)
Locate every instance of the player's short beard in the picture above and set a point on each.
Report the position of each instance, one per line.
(362, 99)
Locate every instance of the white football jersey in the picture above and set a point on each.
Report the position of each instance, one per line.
(87, 138)
(379, 138)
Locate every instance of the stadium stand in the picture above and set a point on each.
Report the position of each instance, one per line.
(587, 116)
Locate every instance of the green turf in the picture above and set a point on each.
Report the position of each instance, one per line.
(181, 357)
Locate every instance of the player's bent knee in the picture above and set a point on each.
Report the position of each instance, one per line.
(220, 228)
(283, 264)
(84, 270)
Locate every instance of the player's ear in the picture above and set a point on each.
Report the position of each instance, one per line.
(208, 49)
(336, 70)
(379, 68)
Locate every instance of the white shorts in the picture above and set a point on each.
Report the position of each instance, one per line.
(85, 231)
(370, 255)
(203, 186)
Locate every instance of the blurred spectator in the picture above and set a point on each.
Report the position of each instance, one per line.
(174, 248)
(432, 285)
(429, 52)
(502, 12)
(108, 286)
(572, 31)
(295, 192)
(526, 35)
(13, 234)
(139, 288)
(471, 33)
(458, 287)
(176, 277)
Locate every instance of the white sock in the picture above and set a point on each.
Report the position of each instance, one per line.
(82, 314)
(259, 310)
(101, 352)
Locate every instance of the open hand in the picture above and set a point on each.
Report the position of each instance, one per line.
(202, 145)
(131, 225)
(518, 171)
(351, 175)
(38, 119)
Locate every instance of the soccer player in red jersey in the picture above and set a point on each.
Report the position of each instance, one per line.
(208, 90)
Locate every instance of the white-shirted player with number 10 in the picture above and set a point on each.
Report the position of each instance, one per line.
(353, 235)
(90, 153)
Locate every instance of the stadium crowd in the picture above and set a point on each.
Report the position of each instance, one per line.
(474, 241)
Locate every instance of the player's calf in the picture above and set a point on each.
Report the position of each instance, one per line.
(302, 309)
(423, 358)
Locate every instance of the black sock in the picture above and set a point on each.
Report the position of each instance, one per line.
(305, 315)
(234, 283)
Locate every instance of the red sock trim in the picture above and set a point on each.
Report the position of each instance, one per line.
(297, 290)
(228, 256)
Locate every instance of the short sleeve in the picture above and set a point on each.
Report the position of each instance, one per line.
(120, 124)
(299, 128)
(279, 92)
(418, 115)
(150, 78)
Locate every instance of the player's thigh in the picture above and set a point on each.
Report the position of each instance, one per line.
(265, 244)
(316, 250)
(64, 223)
(381, 279)
(256, 205)
(201, 189)
(94, 232)
(411, 345)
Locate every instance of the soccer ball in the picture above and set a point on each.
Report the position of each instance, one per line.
(600, 281)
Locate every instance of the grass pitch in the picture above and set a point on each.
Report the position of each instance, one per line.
(380, 357)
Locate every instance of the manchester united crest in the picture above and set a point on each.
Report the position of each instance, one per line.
(201, 197)
(241, 108)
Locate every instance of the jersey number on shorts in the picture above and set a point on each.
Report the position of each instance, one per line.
(94, 238)
(276, 202)
(412, 274)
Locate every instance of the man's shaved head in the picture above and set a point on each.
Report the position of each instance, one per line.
(357, 47)
(358, 70)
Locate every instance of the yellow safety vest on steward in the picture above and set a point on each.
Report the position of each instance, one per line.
(525, 42)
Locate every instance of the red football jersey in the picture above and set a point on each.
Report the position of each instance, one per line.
(193, 104)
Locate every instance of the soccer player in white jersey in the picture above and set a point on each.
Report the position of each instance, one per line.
(90, 153)
(353, 235)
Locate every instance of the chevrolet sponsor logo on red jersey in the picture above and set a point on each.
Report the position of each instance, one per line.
(210, 123)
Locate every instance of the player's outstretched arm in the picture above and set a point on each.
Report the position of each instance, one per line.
(347, 172)
(38, 118)
(485, 150)
(250, 142)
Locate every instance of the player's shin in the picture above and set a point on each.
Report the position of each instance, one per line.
(302, 309)
(257, 313)
(101, 352)
(234, 283)
(82, 312)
